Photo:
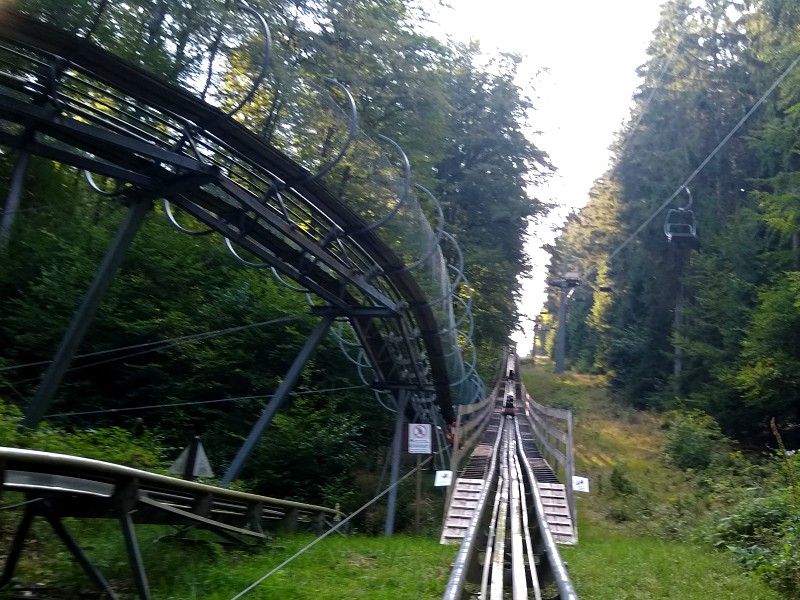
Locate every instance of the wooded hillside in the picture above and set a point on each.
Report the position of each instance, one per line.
(711, 321)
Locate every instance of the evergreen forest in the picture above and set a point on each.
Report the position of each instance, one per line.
(709, 321)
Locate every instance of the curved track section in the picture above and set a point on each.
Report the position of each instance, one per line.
(343, 238)
(499, 511)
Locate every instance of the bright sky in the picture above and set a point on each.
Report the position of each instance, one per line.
(591, 49)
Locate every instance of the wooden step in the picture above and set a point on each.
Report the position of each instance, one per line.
(556, 512)
(466, 493)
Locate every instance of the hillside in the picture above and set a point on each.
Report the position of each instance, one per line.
(651, 530)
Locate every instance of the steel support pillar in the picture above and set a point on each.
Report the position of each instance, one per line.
(85, 313)
(278, 399)
(561, 334)
(17, 544)
(14, 194)
(134, 555)
(397, 450)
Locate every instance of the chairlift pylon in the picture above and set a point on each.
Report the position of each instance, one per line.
(680, 221)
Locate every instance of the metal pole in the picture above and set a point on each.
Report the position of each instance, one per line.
(278, 399)
(418, 503)
(14, 194)
(85, 313)
(402, 399)
(561, 334)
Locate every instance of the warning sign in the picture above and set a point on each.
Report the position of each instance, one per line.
(580, 484)
(419, 438)
(443, 478)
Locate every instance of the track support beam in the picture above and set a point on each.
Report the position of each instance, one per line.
(278, 399)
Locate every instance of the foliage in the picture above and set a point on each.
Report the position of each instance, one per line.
(692, 440)
(141, 449)
(643, 512)
(764, 533)
(709, 322)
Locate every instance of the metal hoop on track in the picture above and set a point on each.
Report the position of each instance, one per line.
(472, 371)
(457, 247)
(438, 235)
(243, 6)
(287, 285)
(378, 400)
(467, 304)
(339, 336)
(458, 280)
(247, 263)
(178, 226)
(406, 188)
(357, 361)
(459, 347)
(350, 136)
(97, 189)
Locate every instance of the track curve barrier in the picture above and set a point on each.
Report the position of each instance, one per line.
(293, 186)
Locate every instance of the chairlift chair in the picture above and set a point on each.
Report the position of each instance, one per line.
(680, 221)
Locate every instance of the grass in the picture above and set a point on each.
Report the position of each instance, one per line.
(634, 534)
(635, 525)
(397, 568)
(617, 565)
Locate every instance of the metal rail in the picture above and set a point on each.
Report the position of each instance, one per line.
(110, 117)
(508, 550)
(58, 486)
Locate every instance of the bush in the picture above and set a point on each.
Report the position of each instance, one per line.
(764, 535)
(110, 444)
(693, 440)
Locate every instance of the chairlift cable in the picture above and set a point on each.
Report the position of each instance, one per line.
(652, 94)
(705, 162)
(336, 527)
(198, 402)
(167, 341)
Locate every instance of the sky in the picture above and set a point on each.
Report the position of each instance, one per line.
(591, 49)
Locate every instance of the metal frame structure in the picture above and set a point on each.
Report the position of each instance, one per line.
(159, 141)
(58, 486)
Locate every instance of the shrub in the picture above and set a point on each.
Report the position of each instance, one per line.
(111, 444)
(693, 440)
(764, 535)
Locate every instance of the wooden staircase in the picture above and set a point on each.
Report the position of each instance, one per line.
(556, 512)
(462, 508)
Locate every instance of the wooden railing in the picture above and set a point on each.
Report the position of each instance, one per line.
(471, 420)
(553, 432)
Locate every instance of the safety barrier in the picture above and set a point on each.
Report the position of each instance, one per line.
(552, 429)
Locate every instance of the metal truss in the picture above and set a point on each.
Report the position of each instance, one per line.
(67, 100)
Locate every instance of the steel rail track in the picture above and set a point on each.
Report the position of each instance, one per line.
(508, 550)
(72, 483)
(110, 117)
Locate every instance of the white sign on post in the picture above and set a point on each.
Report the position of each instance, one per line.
(580, 484)
(419, 438)
(443, 478)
